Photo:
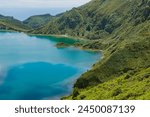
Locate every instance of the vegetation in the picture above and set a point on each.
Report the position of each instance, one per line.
(124, 71)
(121, 28)
(38, 20)
(62, 45)
(9, 23)
(33, 22)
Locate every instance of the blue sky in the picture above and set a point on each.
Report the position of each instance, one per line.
(22, 9)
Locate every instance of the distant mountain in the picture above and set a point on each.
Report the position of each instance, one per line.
(10, 23)
(98, 19)
(38, 20)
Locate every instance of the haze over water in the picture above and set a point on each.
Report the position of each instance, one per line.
(31, 67)
(22, 9)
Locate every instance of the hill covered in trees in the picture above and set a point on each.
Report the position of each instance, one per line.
(121, 28)
(38, 20)
(99, 18)
(10, 23)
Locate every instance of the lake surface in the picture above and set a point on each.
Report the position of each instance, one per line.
(33, 68)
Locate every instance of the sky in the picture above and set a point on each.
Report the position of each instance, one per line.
(22, 9)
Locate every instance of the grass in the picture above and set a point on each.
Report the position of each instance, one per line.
(121, 28)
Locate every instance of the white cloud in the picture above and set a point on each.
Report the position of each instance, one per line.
(41, 3)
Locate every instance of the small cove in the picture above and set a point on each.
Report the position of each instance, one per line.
(32, 68)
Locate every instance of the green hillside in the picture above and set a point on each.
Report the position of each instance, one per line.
(10, 23)
(38, 20)
(121, 28)
(98, 19)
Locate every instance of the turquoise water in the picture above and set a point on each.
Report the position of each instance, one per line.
(32, 68)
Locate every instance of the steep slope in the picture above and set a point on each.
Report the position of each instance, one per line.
(123, 30)
(38, 20)
(97, 19)
(9, 23)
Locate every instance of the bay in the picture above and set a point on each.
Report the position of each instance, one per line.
(33, 68)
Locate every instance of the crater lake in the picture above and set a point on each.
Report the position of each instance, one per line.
(33, 68)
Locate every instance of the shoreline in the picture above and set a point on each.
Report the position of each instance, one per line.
(60, 36)
(71, 38)
(68, 37)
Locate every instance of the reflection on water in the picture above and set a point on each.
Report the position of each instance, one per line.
(33, 68)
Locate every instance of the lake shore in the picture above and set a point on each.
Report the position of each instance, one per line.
(61, 36)
(78, 39)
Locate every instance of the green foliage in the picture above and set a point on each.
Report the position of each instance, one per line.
(116, 91)
(121, 28)
(98, 19)
(62, 45)
(38, 20)
(130, 57)
(120, 88)
(123, 73)
(9, 23)
(75, 93)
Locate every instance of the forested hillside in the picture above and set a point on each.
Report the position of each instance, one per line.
(10, 23)
(38, 20)
(99, 18)
(122, 30)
